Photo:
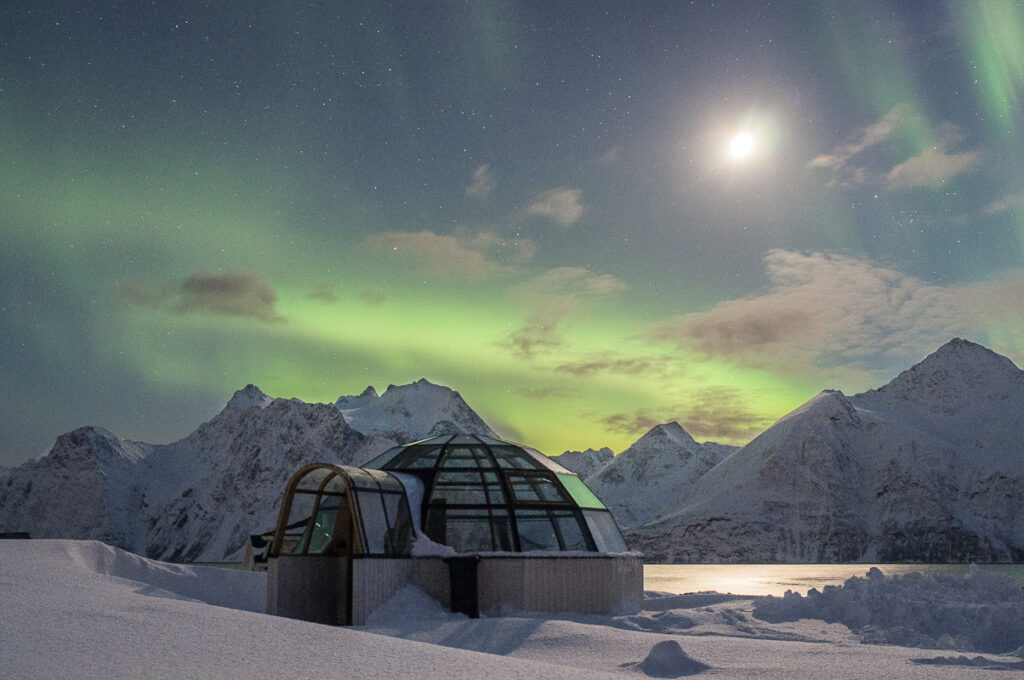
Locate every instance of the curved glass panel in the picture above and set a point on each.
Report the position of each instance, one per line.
(512, 458)
(312, 480)
(607, 537)
(322, 528)
(416, 458)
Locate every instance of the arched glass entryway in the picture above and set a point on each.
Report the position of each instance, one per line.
(340, 510)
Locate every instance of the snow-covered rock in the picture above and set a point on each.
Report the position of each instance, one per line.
(639, 483)
(927, 468)
(584, 463)
(199, 499)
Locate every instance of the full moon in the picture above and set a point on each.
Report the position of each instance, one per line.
(742, 145)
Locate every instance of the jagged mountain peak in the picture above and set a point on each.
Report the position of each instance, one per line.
(249, 397)
(954, 365)
(660, 436)
(95, 442)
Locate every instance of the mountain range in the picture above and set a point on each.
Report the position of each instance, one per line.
(199, 498)
(929, 467)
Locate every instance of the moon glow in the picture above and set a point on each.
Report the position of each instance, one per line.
(742, 145)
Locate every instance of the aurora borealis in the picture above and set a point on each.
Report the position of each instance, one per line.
(533, 203)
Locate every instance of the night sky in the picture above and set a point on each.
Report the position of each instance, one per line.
(587, 217)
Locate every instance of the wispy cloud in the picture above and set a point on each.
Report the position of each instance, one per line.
(841, 158)
(470, 256)
(1006, 204)
(931, 168)
(550, 297)
(483, 182)
(561, 205)
(239, 294)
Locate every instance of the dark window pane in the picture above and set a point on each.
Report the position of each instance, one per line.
(375, 526)
(464, 439)
(459, 495)
(502, 531)
(510, 457)
(496, 495)
(467, 534)
(379, 462)
(399, 538)
(322, 529)
(570, 531)
(295, 535)
(536, 532)
(535, 488)
(416, 458)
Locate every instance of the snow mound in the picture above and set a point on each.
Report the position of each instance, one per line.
(668, 660)
(212, 585)
(981, 611)
(409, 603)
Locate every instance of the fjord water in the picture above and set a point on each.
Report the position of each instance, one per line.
(776, 579)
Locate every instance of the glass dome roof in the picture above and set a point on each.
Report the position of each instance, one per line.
(483, 494)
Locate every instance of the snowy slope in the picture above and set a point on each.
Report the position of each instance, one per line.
(928, 468)
(639, 483)
(584, 463)
(199, 498)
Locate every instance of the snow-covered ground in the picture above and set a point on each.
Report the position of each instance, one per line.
(81, 609)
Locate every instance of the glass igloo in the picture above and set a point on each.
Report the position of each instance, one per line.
(480, 494)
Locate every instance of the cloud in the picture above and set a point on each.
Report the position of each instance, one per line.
(828, 316)
(483, 182)
(1005, 204)
(561, 205)
(435, 254)
(551, 296)
(622, 366)
(242, 294)
(931, 168)
(568, 281)
(841, 157)
(719, 414)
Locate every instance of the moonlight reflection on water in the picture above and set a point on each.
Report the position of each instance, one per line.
(776, 579)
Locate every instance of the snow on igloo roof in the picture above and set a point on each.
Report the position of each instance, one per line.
(461, 451)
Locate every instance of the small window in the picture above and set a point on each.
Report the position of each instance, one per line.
(535, 488)
(536, 532)
(512, 458)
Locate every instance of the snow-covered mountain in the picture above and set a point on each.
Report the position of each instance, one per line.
(199, 498)
(641, 482)
(584, 463)
(929, 467)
